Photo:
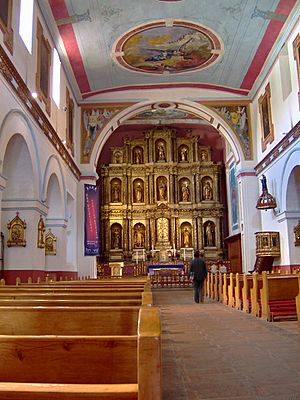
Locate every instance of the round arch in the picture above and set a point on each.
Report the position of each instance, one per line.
(195, 108)
(16, 122)
(53, 167)
(290, 164)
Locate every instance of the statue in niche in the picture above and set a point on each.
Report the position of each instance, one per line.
(210, 234)
(138, 193)
(118, 157)
(203, 156)
(41, 232)
(162, 190)
(116, 193)
(183, 154)
(185, 192)
(186, 237)
(207, 192)
(139, 236)
(161, 152)
(138, 156)
(116, 237)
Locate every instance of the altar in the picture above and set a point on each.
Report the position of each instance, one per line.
(151, 268)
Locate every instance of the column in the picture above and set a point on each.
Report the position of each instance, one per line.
(198, 189)
(200, 233)
(248, 190)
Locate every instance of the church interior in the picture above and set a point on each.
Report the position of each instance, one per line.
(133, 133)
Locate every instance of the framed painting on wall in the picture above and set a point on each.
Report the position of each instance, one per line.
(296, 46)
(266, 118)
(70, 122)
(43, 68)
(5, 23)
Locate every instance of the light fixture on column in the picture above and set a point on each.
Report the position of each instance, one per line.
(265, 201)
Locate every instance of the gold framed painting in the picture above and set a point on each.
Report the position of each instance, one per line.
(70, 122)
(43, 68)
(50, 243)
(5, 23)
(16, 232)
(266, 118)
(296, 47)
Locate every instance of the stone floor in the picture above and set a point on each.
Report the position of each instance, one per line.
(211, 351)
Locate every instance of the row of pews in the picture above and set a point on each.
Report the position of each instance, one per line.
(272, 297)
(94, 339)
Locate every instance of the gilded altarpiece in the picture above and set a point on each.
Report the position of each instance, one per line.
(160, 194)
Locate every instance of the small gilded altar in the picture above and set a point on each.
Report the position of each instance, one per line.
(160, 194)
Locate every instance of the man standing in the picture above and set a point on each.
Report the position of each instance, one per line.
(199, 271)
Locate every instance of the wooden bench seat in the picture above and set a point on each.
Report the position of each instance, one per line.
(69, 361)
(277, 294)
(47, 391)
(74, 303)
(69, 320)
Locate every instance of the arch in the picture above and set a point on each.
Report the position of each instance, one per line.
(16, 122)
(291, 162)
(198, 109)
(18, 169)
(54, 181)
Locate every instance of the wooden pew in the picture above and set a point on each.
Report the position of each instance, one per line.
(65, 366)
(277, 296)
(75, 321)
(225, 280)
(247, 286)
(298, 301)
(230, 290)
(107, 299)
(220, 286)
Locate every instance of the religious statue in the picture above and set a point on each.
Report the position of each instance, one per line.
(138, 193)
(183, 154)
(207, 192)
(116, 238)
(161, 155)
(138, 236)
(138, 155)
(203, 156)
(186, 236)
(185, 192)
(209, 234)
(118, 157)
(41, 231)
(115, 193)
(162, 190)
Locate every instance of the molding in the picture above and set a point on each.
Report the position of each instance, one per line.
(287, 142)
(18, 86)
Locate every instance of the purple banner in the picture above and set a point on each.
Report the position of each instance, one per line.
(91, 220)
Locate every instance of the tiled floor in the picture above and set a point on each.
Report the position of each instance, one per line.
(211, 351)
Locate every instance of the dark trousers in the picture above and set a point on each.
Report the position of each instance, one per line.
(198, 290)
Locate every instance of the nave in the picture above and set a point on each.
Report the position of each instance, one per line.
(211, 351)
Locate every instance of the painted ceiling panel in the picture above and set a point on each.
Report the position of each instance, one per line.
(91, 31)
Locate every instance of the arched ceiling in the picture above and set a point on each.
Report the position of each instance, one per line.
(119, 45)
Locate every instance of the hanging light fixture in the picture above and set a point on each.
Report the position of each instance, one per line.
(265, 201)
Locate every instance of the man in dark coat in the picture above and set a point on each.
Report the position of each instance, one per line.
(199, 272)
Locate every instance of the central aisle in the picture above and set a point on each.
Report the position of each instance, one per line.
(211, 351)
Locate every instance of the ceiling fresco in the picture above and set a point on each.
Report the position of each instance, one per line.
(160, 49)
(120, 45)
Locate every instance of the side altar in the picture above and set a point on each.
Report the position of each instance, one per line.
(160, 194)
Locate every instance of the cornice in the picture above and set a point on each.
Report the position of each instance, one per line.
(277, 151)
(18, 86)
